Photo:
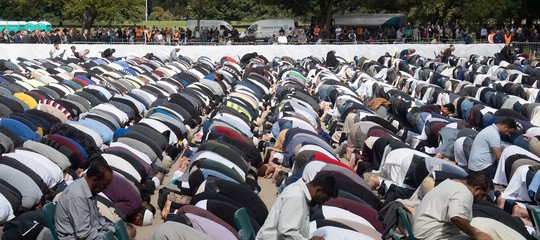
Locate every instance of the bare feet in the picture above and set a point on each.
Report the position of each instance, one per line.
(374, 181)
(270, 170)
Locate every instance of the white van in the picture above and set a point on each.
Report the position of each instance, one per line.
(210, 24)
(268, 27)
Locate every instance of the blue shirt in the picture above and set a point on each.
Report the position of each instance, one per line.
(481, 155)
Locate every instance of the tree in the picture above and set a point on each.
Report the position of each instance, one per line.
(205, 9)
(178, 8)
(88, 11)
(30, 10)
(159, 14)
(323, 9)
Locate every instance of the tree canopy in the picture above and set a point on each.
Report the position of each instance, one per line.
(87, 12)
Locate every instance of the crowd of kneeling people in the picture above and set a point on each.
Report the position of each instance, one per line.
(350, 147)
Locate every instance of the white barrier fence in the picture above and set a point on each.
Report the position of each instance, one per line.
(35, 51)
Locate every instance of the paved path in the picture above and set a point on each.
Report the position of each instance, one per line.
(268, 195)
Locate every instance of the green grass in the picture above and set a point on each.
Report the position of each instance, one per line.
(160, 24)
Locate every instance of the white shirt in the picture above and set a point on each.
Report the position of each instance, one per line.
(6, 213)
(161, 128)
(95, 135)
(459, 154)
(41, 165)
(335, 212)
(133, 150)
(289, 217)
(500, 174)
(212, 156)
(122, 164)
(311, 169)
(517, 188)
(336, 233)
(282, 40)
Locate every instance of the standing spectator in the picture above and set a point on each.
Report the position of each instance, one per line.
(416, 34)
(138, 33)
(176, 36)
(221, 35)
(7, 36)
(507, 37)
(207, 34)
(158, 38)
(491, 37)
(408, 33)
(4, 37)
(77, 216)
(147, 35)
(371, 40)
(360, 32)
(182, 36)
(351, 36)
(316, 32)
(302, 39)
(197, 34)
(499, 36)
(325, 34)
(293, 39)
(535, 39)
(468, 38)
(483, 34)
(282, 39)
(215, 35)
(289, 217)
(338, 32)
(85, 37)
(235, 34)
(272, 40)
(521, 37)
(188, 34)
(168, 35)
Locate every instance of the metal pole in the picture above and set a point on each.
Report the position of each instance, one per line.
(146, 13)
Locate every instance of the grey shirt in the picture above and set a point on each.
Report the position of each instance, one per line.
(482, 155)
(173, 230)
(31, 193)
(77, 216)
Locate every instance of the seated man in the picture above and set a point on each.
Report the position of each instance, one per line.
(406, 53)
(486, 149)
(447, 53)
(289, 217)
(174, 54)
(108, 52)
(446, 211)
(77, 216)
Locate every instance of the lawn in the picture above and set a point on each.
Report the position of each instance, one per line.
(240, 25)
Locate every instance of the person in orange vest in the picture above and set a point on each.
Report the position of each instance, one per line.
(316, 32)
(176, 36)
(148, 36)
(138, 33)
(491, 37)
(507, 37)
